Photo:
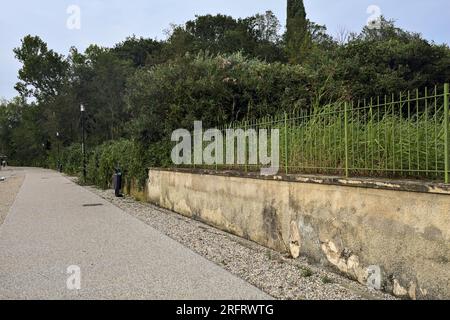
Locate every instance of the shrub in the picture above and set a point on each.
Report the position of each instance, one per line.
(102, 161)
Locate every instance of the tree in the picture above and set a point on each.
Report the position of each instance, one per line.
(5, 128)
(264, 27)
(140, 51)
(215, 34)
(264, 30)
(213, 89)
(297, 37)
(43, 72)
(379, 62)
(99, 79)
(22, 138)
(255, 36)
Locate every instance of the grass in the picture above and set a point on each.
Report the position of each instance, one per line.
(270, 255)
(305, 272)
(378, 144)
(326, 280)
(393, 138)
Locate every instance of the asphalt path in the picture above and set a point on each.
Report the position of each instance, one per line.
(60, 241)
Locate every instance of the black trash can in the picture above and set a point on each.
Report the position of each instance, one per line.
(117, 183)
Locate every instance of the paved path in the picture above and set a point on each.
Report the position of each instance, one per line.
(54, 224)
(8, 189)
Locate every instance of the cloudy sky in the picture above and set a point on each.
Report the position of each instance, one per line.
(106, 22)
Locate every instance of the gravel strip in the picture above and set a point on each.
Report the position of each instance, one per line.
(274, 273)
(8, 191)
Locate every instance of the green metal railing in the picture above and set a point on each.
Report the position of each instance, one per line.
(404, 135)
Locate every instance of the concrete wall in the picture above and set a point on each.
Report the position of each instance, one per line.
(350, 228)
(132, 188)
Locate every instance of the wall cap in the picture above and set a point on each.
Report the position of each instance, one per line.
(369, 183)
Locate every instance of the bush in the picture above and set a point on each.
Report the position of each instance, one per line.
(72, 159)
(215, 90)
(102, 161)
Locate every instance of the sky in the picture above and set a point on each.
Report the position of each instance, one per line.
(107, 22)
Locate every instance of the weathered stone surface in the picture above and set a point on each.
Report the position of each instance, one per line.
(399, 291)
(412, 291)
(295, 241)
(350, 226)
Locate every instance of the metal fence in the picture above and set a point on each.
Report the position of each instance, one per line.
(403, 135)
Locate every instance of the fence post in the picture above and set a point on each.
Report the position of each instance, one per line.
(286, 142)
(215, 151)
(346, 138)
(446, 147)
(247, 147)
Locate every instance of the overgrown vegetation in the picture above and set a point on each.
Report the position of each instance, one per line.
(396, 137)
(216, 69)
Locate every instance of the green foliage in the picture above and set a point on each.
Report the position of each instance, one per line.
(117, 154)
(5, 128)
(306, 272)
(72, 159)
(43, 72)
(100, 78)
(297, 36)
(102, 161)
(255, 36)
(21, 135)
(396, 137)
(326, 280)
(140, 51)
(386, 60)
(217, 69)
(214, 89)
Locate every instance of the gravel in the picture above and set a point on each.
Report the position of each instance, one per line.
(274, 273)
(8, 190)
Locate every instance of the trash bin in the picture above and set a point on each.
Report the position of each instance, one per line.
(117, 182)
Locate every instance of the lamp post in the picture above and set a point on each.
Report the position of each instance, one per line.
(59, 154)
(83, 142)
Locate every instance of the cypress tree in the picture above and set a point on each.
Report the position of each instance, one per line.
(296, 31)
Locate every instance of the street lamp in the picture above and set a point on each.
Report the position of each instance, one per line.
(59, 154)
(83, 143)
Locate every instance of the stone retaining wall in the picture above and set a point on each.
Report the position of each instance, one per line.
(399, 230)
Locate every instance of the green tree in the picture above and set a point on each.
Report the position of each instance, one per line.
(22, 137)
(264, 27)
(5, 129)
(255, 36)
(99, 78)
(214, 89)
(140, 51)
(264, 30)
(378, 62)
(297, 37)
(43, 71)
